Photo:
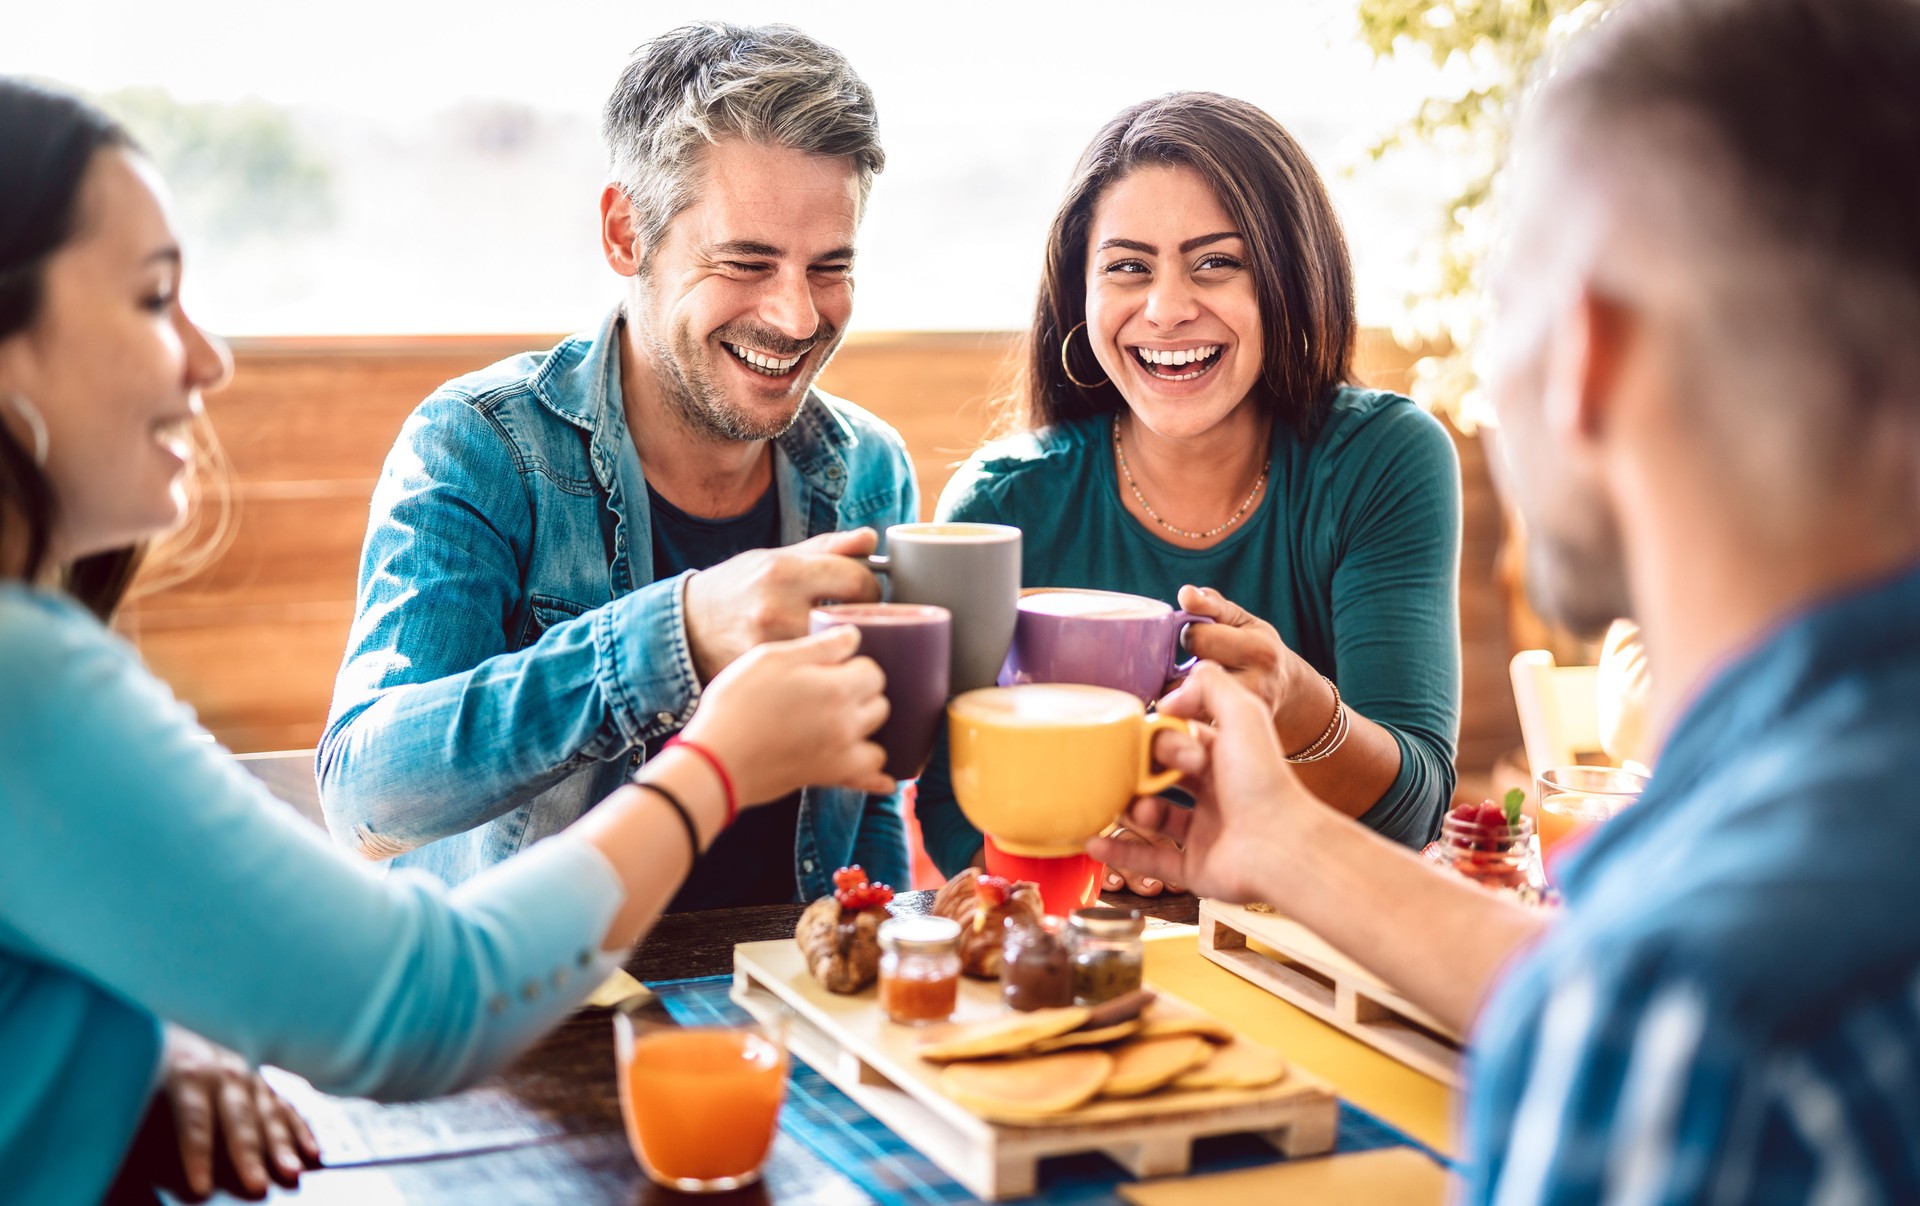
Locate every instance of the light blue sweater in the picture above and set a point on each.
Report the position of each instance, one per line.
(144, 876)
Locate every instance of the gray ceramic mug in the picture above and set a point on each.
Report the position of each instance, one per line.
(1101, 638)
(972, 570)
(912, 644)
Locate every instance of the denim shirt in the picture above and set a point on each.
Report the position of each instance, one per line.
(511, 661)
(1726, 1010)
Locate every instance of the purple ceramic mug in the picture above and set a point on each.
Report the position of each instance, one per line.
(913, 644)
(1098, 637)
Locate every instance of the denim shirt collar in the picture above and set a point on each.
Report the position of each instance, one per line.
(580, 383)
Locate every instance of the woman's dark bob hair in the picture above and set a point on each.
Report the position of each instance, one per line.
(1269, 188)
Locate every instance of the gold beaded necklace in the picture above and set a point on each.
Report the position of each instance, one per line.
(1120, 454)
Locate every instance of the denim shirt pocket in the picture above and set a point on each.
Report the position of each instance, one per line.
(545, 611)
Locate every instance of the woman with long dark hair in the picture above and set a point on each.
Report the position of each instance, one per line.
(144, 878)
(1187, 425)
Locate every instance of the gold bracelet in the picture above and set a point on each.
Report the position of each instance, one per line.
(1331, 736)
(1332, 746)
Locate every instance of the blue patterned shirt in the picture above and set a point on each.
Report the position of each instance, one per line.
(1729, 1011)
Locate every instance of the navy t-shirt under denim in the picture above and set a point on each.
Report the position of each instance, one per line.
(752, 861)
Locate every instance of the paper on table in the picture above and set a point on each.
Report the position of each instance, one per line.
(1399, 1175)
(616, 990)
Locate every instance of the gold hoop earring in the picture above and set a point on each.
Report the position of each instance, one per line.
(1068, 368)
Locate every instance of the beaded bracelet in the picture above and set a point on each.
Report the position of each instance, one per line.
(1331, 737)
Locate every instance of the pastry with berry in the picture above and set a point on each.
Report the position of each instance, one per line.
(840, 934)
(982, 904)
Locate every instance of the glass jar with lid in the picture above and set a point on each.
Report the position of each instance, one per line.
(919, 969)
(1108, 953)
(1036, 968)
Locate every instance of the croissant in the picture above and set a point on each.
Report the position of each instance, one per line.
(840, 934)
(982, 904)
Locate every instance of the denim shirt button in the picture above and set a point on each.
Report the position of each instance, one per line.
(497, 1005)
(807, 866)
(666, 718)
(530, 990)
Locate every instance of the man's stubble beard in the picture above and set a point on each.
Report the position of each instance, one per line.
(1580, 580)
(688, 387)
(1575, 566)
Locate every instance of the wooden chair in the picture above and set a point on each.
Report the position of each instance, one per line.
(1559, 713)
(288, 774)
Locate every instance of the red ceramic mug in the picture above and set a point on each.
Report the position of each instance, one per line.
(1066, 883)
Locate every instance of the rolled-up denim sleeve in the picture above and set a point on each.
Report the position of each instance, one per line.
(439, 724)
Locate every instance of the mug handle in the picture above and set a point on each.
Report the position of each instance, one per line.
(1152, 784)
(880, 567)
(1175, 667)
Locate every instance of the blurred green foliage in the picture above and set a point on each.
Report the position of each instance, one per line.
(1489, 51)
(236, 169)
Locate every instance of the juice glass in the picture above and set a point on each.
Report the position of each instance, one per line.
(1577, 799)
(700, 1102)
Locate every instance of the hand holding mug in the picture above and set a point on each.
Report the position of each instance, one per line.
(1235, 843)
(1249, 649)
(793, 713)
(764, 595)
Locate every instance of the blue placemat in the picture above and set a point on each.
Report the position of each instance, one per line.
(835, 1128)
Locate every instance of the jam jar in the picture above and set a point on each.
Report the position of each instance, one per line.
(1036, 969)
(1500, 858)
(919, 969)
(1107, 953)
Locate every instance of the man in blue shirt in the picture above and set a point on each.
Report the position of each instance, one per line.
(564, 547)
(1708, 378)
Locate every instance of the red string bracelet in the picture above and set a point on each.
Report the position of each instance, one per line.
(719, 768)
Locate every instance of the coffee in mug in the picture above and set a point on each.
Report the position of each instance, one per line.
(1102, 638)
(972, 570)
(1043, 767)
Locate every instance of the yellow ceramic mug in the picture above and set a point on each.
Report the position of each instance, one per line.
(1044, 766)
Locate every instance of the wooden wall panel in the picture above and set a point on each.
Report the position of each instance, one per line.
(253, 642)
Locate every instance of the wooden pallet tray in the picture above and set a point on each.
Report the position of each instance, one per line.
(1301, 968)
(849, 1041)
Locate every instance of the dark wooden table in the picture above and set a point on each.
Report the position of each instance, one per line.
(548, 1128)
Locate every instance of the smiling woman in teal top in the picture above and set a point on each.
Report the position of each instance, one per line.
(144, 877)
(1187, 426)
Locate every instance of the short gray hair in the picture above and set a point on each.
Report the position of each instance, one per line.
(700, 83)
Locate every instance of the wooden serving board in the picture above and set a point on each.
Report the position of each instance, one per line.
(1302, 968)
(848, 1040)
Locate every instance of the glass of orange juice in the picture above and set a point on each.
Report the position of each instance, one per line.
(701, 1103)
(1576, 799)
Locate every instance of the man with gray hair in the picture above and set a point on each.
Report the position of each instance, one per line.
(565, 546)
(1707, 369)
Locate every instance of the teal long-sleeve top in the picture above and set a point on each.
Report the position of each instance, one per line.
(1353, 556)
(145, 876)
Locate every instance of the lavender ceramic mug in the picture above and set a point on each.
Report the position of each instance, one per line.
(1098, 637)
(913, 644)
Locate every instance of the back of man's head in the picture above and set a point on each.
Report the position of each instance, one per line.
(1758, 162)
(704, 82)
